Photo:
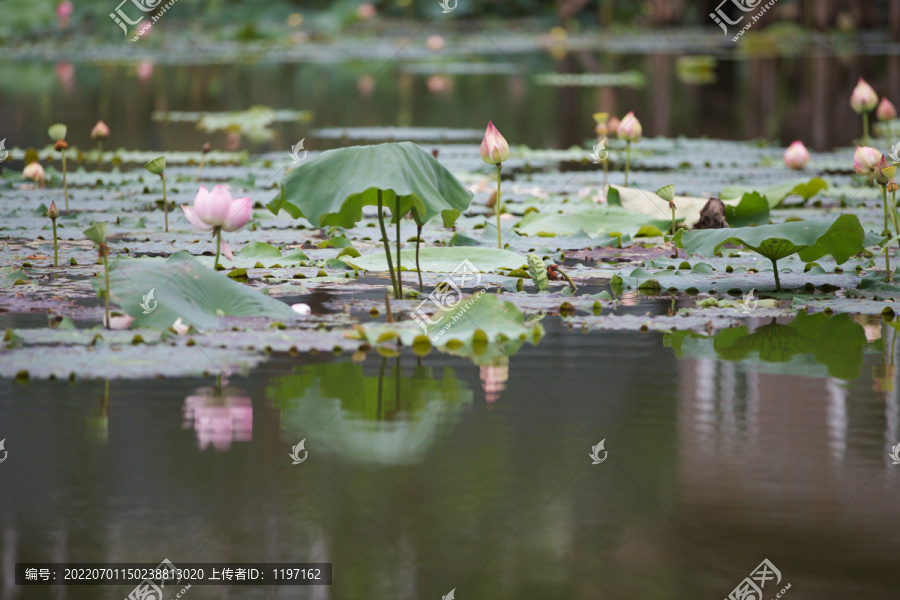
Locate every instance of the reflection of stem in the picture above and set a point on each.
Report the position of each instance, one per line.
(104, 402)
(497, 207)
(397, 387)
(387, 246)
(777, 280)
(218, 247)
(418, 268)
(65, 185)
(106, 276)
(381, 386)
(399, 276)
(165, 202)
(219, 383)
(627, 162)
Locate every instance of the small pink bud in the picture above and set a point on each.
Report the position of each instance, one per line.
(494, 149)
(864, 99)
(100, 131)
(630, 129)
(886, 110)
(796, 156)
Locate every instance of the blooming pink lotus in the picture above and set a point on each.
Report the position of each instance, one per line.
(216, 211)
(863, 99)
(796, 156)
(865, 159)
(494, 149)
(886, 110)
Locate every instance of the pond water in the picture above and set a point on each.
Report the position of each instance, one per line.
(438, 473)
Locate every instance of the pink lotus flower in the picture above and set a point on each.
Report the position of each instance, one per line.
(630, 129)
(365, 11)
(63, 12)
(216, 209)
(100, 131)
(864, 99)
(865, 159)
(886, 110)
(796, 156)
(35, 172)
(494, 149)
(613, 125)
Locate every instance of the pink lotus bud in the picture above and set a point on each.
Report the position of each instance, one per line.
(494, 149)
(63, 12)
(630, 129)
(796, 156)
(865, 159)
(880, 177)
(864, 99)
(100, 131)
(365, 11)
(886, 110)
(35, 172)
(613, 125)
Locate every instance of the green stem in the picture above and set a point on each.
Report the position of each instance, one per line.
(888, 210)
(498, 208)
(418, 268)
(887, 265)
(894, 212)
(55, 249)
(387, 246)
(777, 279)
(399, 276)
(627, 162)
(885, 231)
(865, 128)
(200, 168)
(165, 201)
(218, 247)
(673, 219)
(99, 152)
(106, 296)
(606, 172)
(567, 278)
(65, 185)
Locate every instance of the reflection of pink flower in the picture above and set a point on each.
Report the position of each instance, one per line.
(494, 378)
(219, 417)
(144, 70)
(63, 12)
(65, 75)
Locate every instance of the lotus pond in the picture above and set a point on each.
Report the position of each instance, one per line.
(615, 403)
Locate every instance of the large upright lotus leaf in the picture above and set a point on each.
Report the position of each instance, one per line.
(332, 188)
(183, 288)
(594, 221)
(841, 237)
(445, 259)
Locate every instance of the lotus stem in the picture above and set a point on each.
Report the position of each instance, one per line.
(673, 219)
(165, 201)
(889, 211)
(627, 161)
(55, 246)
(103, 253)
(418, 268)
(865, 128)
(777, 279)
(200, 168)
(887, 265)
(65, 184)
(399, 276)
(218, 247)
(497, 208)
(567, 278)
(387, 303)
(387, 245)
(606, 172)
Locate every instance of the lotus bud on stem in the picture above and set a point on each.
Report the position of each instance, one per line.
(53, 213)
(495, 150)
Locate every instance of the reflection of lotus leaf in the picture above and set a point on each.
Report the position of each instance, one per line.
(837, 343)
(388, 418)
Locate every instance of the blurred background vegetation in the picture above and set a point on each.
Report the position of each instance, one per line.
(249, 19)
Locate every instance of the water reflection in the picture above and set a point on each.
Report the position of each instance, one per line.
(220, 416)
(391, 417)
